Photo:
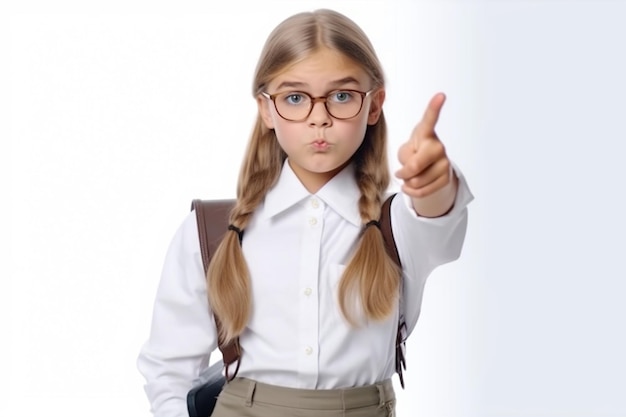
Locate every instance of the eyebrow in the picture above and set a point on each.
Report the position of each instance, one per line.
(333, 84)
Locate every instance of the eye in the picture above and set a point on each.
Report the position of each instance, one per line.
(294, 98)
(341, 96)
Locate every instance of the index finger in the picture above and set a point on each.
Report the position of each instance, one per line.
(431, 115)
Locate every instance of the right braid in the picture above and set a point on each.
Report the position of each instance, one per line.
(228, 277)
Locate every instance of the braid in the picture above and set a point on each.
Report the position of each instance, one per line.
(228, 278)
(371, 277)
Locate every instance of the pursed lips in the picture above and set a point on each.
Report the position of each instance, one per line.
(320, 144)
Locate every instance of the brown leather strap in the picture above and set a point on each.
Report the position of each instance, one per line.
(392, 251)
(385, 228)
(212, 217)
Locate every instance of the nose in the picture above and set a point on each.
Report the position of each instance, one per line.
(319, 115)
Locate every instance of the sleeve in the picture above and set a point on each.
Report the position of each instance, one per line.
(426, 243)
(183, 332)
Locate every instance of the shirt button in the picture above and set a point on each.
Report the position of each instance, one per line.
(312, 221)
(315, 203)
(308, 350)
(308, 291)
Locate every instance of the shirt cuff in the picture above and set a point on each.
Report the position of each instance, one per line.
(463, 197)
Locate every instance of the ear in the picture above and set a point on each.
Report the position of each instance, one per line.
(376, 106)
(263, 104)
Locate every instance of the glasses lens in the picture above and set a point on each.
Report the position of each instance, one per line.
(293, 106)
(344, 104)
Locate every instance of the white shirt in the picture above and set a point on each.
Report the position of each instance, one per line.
(296, 247)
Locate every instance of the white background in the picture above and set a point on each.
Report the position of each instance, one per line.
(120, 113)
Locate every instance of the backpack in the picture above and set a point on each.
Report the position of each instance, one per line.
(212, 218)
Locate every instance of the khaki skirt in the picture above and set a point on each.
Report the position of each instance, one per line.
(247, 398)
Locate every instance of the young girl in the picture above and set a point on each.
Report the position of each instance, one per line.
(302, 277)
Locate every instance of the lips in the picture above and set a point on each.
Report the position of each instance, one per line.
(320, 144)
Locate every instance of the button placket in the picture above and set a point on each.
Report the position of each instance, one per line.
(308, 337)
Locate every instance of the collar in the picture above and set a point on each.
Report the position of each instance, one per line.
(341, 194)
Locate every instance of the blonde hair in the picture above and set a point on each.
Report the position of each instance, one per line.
(371, 277)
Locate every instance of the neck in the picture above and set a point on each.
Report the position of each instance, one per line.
(314, 181)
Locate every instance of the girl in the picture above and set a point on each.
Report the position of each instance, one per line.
(309, 291)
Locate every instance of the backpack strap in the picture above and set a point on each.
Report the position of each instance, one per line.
(212, 218)
(385, 228)
(392, 251)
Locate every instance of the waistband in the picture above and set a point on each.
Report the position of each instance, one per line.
(332, 399)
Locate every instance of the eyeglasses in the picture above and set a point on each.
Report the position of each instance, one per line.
(296, 106)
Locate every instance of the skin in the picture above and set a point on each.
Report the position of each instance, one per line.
(426, 170)
(321, 146)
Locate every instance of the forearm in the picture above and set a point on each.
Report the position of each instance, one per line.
(438, 203)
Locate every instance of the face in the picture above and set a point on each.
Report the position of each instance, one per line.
(319, 146)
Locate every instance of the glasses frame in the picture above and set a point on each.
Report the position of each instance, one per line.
(314, 100)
